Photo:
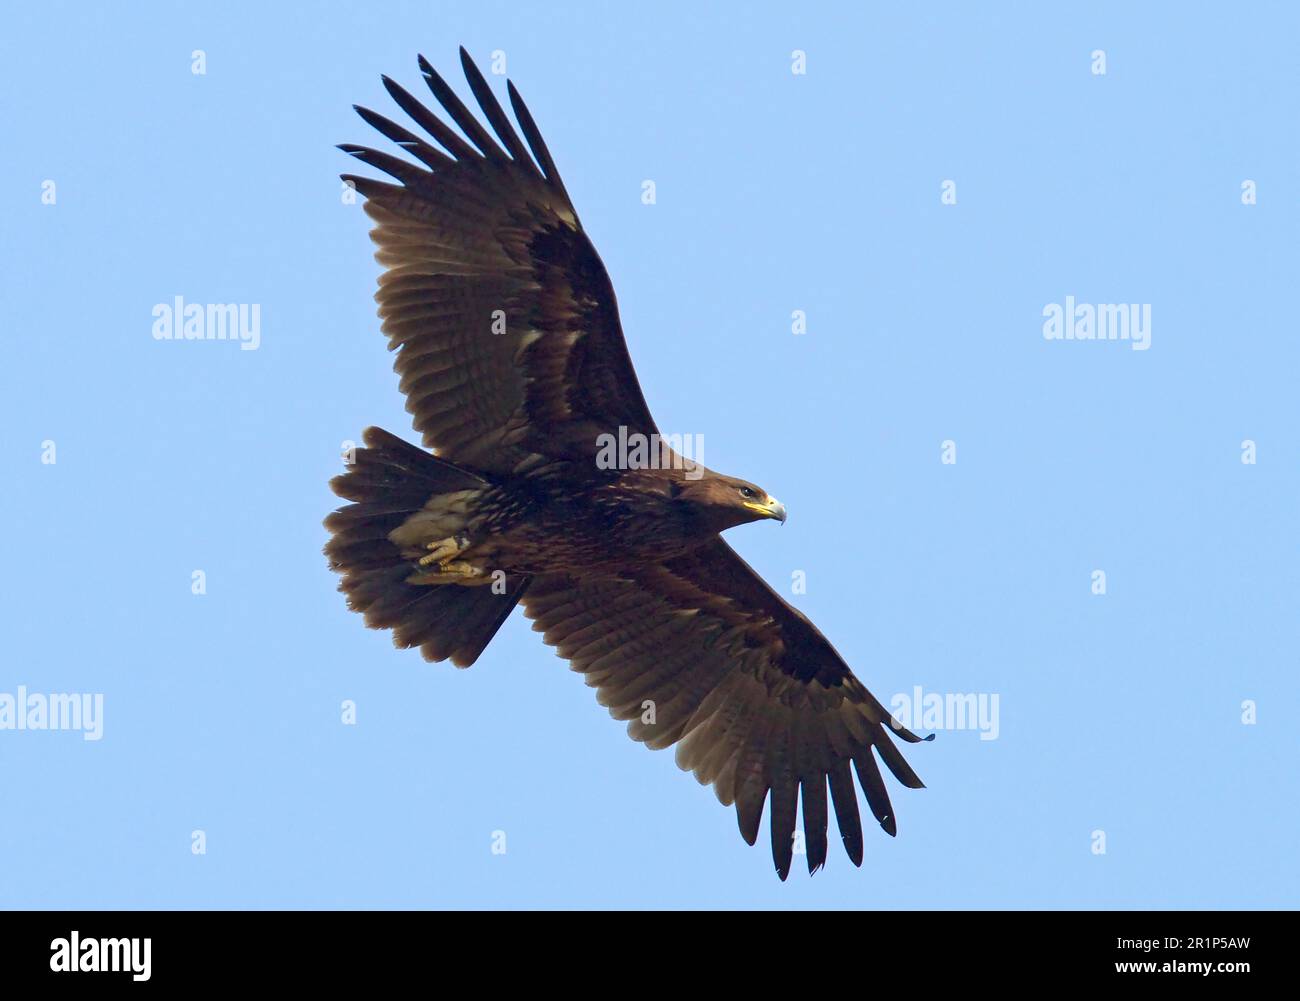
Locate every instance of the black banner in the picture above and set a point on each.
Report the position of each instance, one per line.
(914, 949)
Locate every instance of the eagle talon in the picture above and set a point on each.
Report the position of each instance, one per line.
(441, 562)
(444, 570)
(443, 551)
(460, 567)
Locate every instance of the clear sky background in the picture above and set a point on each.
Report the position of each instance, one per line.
(776, 192)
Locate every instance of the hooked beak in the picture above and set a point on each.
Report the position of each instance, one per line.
(771, 508)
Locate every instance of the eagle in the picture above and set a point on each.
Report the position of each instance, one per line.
(516, 373)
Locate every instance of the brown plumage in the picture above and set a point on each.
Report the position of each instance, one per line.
(514, 366)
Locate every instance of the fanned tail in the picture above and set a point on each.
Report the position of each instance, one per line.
(389, 481)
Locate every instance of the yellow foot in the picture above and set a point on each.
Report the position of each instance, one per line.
(445, 550)
(441, 562)
(443, 576)
(461, 568)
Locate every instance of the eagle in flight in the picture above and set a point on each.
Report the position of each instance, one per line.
(514, 367)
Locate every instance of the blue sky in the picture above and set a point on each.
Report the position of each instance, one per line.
(1119, 713)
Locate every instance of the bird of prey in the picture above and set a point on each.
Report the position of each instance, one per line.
(512, 359)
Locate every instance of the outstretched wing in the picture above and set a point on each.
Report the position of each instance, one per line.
(757, 701)
(503, 318)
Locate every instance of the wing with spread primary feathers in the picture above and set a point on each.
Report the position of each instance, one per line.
(504, 321)
(757, 701)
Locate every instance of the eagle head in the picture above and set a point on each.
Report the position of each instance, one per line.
(725, 501)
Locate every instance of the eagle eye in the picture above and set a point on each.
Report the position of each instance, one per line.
(747, 493)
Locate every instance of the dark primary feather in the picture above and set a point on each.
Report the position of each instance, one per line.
(535, 140)
(428, 121)
(495, 116)
(408, 140)
(459, 113)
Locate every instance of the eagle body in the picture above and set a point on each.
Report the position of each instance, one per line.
(608, 530)
(511, 355)
(542, 524)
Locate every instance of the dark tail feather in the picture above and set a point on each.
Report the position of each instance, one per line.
(389, 480)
